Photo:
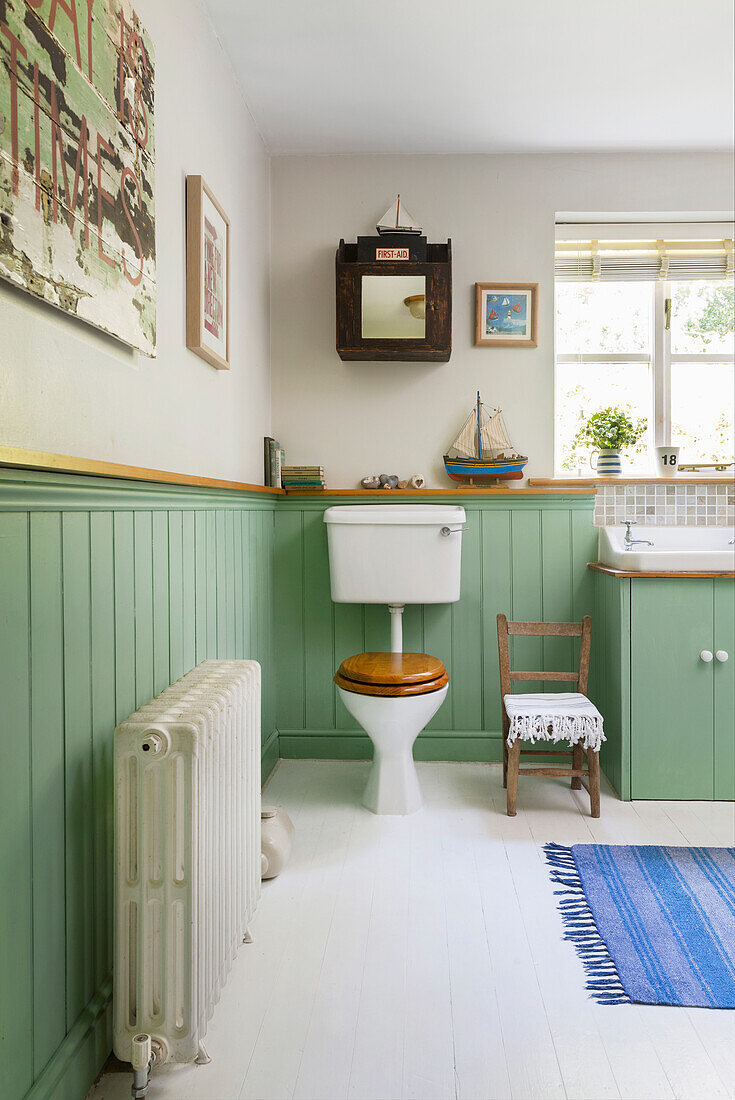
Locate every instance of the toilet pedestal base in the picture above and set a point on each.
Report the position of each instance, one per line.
(393, 724)
(393, 786)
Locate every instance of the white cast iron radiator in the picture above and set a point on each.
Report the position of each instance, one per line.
(187, 854)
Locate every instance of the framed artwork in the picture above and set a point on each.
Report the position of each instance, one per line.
(77, 162)
(207, 275)
(506, 315)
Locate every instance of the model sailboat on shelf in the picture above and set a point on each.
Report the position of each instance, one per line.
(397, 220)
(483, 451)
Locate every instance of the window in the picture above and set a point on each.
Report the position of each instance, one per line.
(632, 330)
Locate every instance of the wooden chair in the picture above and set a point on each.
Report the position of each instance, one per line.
(512, 756)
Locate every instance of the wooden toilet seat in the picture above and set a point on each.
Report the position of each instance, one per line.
(391, 674)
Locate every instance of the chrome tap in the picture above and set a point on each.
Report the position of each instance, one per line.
(631, 542)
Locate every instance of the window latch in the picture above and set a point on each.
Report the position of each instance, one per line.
(667, 313)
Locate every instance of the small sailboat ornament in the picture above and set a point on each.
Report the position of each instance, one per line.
(483, 451)
(397, 220)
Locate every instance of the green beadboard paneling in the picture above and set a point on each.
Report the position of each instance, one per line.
(188, 575)
(526, 589)
(557, 570)
(289, 619)
(465, 687)
(318, 626)
(47, 764)
(496, 594)
(16, 835)
(175, 596)
(143, 588)
(79, 789)
(161, 617)
(102, 591)
(108, 591)
(124, 595)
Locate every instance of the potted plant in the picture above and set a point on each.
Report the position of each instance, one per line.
(610, 431)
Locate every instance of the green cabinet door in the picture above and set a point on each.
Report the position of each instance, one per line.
(724, 688)
(672, 695)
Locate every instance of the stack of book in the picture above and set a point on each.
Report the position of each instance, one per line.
(273, 458)
(303, 479)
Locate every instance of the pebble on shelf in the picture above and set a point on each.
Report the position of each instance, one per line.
(391, 481)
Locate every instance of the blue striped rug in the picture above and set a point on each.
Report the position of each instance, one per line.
(652, 925)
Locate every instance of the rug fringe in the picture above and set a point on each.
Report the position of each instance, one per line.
(603, 982)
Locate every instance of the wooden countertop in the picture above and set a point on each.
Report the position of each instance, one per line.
(600, 567)
(682, 479)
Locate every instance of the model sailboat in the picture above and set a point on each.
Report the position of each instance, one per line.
(483, 451)
(397, 220)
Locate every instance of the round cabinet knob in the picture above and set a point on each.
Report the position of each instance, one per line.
(721, 655)
(706, 656)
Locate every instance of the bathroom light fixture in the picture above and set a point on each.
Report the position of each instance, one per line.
(416, 305)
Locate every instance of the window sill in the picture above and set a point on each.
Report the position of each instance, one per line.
(684, 479)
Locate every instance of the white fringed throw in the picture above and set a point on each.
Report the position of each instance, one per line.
(558, 716)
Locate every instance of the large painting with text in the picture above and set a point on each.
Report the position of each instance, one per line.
(77, 220)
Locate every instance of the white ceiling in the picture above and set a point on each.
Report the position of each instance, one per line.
(481, 76)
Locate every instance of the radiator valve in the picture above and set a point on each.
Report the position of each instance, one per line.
(141, 1058)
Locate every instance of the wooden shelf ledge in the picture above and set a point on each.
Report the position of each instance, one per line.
(387, 495)
(20, 459)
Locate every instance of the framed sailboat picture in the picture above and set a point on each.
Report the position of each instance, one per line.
(506, 315)
(207, 275)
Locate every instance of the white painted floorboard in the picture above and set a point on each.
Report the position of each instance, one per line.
(422, 958)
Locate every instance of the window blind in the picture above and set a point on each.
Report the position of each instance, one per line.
(585, 261)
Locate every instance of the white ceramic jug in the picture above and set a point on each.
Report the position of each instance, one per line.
(276, 840)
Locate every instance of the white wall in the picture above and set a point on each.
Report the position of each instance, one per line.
(361, 418)
(68, 389)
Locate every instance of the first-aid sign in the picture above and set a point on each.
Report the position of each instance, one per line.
(391, 253)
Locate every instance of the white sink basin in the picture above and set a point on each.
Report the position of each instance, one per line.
(674, 550)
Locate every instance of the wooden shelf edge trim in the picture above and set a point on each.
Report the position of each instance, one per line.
(400, 494)
(595, 481)
(17, 458)
(600, 567)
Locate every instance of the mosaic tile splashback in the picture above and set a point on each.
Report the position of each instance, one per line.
(666, 505)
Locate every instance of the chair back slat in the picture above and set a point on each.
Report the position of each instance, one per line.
(571, 677)
(547, 630)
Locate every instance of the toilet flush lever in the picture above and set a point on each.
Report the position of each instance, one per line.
(451, 531)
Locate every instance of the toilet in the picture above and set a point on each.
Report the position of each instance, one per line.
(394, 554)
